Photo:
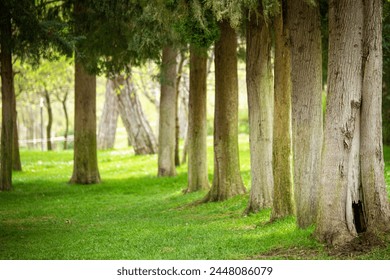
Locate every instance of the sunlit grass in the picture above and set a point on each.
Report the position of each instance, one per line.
(133, 214)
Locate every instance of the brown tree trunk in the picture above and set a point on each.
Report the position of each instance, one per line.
(166, 138)
(85, 169)
(340, 185)
(66, 121)
(49, 121)
(109, 119)
(227, 180)
(137, 126)
(306, 75)
(376, 203)
(7, 98)
(177, 120)
(260, 104)
(282, 145)
(16, 163)
(197, 122)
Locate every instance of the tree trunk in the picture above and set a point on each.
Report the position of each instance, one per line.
(376, 202)
(109, 119)
(16, 163)
(85, 169)
(197, 122)
(306, 75)
(227, 180)
(177, 120)
(137, 126)
(49, 121)
(340, 191)
(66, 121)
(260, 104)
(282, 145)
(7, 98)
(166, 138)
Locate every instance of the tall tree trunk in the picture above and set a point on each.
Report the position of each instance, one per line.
(109, 119)
(197, 122)
(260, 103)
(85, 169)
(227, 180)
(7, 98)
(340, 183)
(16, 163)
(177, 120)
(371, 154)
(282, 145)
(306, 75)
(137, 126)
(49, 121)
(166, 137)
(66, 121)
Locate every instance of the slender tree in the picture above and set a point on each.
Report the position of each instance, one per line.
(282, 143)
(260, 90)
(306, 76)
(227, 180)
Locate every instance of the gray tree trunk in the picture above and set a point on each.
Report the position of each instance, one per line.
(197, 122)
(109, 118)
(260, 90)
(227, 180)
(7, 98)
(371, 154)
(137, 126)
(340, 182)
(49, 120)
(283, 199)
(306, 57)
(167, 119)
(85, 168)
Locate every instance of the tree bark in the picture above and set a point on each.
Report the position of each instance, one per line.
(109, 119)
(340, 182)
(227, 180)
(49, 121)
(306, 75)
(371, 154)
(137, 126)
(197, 122)
(64, 108)
(260, 104)
(16, 163)
(7, 98)
(282, 145)
(166, 139)
(177, 120)
(85, 169)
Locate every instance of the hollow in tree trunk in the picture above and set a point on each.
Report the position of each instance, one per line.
(260, 104)
(197, 122)
(85, 168)
(227, 180)
(283, 198)
(167, 125)
(306, 75)
(7, 98)
(109, 118)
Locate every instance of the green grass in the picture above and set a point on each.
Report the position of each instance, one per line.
(133, 214)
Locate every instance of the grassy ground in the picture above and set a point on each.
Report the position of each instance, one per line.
(134, 215)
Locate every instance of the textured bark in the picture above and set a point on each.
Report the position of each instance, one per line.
(16, 163)
(137, 126)
(371, 153)
(259, 80)
(340, 177)
(177, 120)
(166, 137)
(49, 121)
(85, 168)
(227, 180)
(306, 75)
(197, 122)
(282, 145)
(7, 98)
(109, 119)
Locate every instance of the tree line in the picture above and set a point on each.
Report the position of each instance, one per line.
(327, 169)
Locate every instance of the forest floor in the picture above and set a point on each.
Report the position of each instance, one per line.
(133, 215)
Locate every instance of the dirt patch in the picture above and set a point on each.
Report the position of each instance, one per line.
(361, 245)
(292, 253)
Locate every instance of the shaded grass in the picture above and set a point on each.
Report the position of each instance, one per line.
(133, 214)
